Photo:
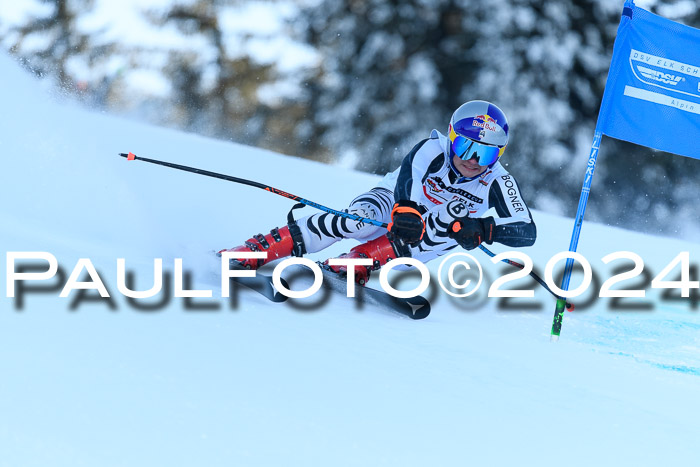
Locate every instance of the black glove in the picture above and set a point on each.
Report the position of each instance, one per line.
(470, 233)
(406, 222)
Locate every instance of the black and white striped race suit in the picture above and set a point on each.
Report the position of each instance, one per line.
(425, 177)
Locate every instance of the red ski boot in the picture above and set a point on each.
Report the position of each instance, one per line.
(279, 243)
(381, 250)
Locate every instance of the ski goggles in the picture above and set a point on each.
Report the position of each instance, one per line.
(466, 148)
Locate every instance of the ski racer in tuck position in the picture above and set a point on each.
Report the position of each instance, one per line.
(433, 203)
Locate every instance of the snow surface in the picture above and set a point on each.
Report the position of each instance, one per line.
(270, 385)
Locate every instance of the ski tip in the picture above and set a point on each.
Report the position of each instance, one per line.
(420, 308)
(278, 297)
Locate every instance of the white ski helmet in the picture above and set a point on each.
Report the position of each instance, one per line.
(477, 129)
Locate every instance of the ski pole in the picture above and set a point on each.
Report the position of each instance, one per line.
(132, 157)
(569, 306)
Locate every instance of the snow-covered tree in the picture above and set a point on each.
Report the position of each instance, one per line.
(219, 89)
(49, 40)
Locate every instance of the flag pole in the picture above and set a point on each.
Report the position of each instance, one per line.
(578, 222)
(627, 12)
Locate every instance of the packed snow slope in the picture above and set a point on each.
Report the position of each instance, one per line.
(89, 382)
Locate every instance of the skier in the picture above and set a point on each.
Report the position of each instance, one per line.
(433, 203)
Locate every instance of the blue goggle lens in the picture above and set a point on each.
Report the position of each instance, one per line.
(466, 149)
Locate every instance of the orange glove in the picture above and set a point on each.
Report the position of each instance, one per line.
(406, 223)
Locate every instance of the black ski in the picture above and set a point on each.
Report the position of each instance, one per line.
(415, 307)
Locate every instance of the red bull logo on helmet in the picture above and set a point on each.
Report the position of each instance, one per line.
(486, 122)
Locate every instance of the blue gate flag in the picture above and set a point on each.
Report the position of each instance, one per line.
(652, 98)
(652, 95)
